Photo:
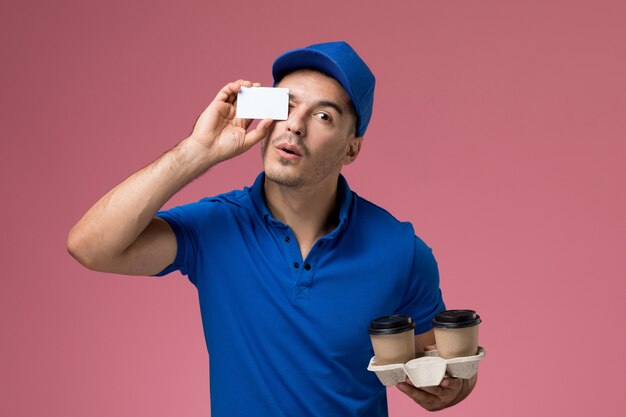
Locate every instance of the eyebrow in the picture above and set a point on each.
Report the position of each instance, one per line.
(324, 103)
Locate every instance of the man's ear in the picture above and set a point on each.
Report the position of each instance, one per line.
(354, 147)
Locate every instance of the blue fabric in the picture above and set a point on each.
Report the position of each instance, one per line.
(287, 336)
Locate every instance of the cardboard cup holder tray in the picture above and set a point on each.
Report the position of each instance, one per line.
(428, 369)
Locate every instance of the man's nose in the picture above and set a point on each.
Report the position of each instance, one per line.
(296, 122)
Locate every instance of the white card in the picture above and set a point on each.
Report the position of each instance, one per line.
(263, 103)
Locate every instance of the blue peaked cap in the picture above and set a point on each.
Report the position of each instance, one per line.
(339, 61)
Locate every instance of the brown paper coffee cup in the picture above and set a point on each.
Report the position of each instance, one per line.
(393, 339)
(456, 333)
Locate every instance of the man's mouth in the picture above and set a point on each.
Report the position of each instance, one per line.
(289, 149)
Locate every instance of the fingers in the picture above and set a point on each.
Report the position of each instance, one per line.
(423, 398)
(228, 94)
(258, 134)
(434, 398)
(446, 385)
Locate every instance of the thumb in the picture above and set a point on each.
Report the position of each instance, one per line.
(258, 134)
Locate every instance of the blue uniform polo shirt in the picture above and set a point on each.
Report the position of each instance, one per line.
(288, 336)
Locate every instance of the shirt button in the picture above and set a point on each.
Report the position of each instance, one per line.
(296, 265)
(307, 267)
(287, 239)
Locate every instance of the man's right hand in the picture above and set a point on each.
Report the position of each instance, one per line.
(120, 233)
(222, 135)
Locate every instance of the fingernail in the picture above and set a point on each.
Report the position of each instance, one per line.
(445, 383)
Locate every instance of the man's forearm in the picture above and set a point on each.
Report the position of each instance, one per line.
(116, 220)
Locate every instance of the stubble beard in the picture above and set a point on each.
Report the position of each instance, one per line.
(280, 175)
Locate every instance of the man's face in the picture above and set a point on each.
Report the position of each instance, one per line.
(317, 138)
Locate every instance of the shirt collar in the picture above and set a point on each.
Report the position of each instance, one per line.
(343, 192)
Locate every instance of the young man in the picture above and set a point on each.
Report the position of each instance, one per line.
(290, 271)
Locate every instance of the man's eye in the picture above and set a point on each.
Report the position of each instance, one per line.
(324, 117)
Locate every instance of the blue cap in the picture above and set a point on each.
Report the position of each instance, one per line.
(341, 62)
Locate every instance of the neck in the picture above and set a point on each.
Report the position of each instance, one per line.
(311, 212)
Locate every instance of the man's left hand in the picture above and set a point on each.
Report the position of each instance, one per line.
(449, 392)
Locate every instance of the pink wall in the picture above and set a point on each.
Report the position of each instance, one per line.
(499, 130)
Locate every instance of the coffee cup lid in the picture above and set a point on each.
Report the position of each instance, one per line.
(456, 319)
(393, 324)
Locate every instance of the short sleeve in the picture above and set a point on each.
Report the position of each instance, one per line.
(183, 220)
(423, 299)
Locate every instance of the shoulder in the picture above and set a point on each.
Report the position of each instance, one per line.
(232, 204)
(232, 200)
(375, 219)
(380, 225)
(377, 232)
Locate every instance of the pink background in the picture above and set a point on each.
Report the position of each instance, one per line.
(499, 130)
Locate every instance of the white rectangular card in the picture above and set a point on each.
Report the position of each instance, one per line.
(263, 103)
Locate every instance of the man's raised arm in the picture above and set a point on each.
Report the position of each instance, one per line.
(120, 233)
